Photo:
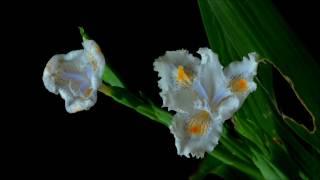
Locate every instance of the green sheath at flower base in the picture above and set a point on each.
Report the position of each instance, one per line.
(83, 34)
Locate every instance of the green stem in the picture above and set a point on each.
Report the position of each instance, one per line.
(146, 108)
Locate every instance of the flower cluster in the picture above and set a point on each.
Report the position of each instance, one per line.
(204, 95)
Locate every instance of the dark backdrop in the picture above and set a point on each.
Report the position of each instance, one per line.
(109, 139)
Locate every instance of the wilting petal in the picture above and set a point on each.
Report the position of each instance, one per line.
(96, 60)
(177, 70)
(195, 134)
(76, 76)
(73, 104)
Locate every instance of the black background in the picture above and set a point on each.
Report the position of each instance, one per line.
(110, 139)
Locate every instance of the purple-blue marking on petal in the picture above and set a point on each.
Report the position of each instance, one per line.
(200, 90)
(84, 86)
(89, 71)
(219, 96)
(73, 76)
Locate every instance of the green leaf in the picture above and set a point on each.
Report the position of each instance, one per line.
(211, 165)
(277, 143)
(223, 155)
(208, 164)
(235, 28)
(268, 170)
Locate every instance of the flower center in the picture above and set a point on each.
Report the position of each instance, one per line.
(239, 85)
(199, 124)
(182, 77)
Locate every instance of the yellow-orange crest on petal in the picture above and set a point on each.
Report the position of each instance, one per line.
(239, 85)
(198, 125)
(182, 77)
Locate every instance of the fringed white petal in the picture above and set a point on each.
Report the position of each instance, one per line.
(187, 144)
(176, 95)
(247, 68)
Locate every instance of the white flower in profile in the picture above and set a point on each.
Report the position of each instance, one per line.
(76, 76)
(202, 95)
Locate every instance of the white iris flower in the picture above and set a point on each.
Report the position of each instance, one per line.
(76, 76)
(203, 95)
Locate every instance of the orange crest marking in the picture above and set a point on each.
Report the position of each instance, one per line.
(239, 85)
(182, 76)
(199, 124)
